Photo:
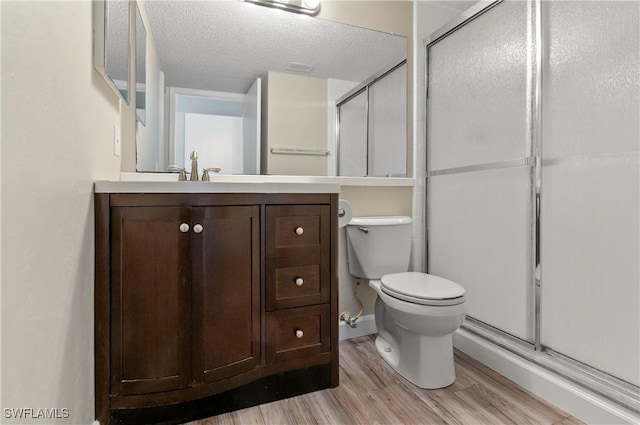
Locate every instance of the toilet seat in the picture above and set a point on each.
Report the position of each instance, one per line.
(421, 288)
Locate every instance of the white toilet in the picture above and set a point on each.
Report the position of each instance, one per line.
(416, 313)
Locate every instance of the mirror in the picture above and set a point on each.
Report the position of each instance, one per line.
(222, 48)
(141, 59)
(111, 43)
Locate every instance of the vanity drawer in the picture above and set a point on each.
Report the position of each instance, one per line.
(298, 230)
(297, 333)
(291, 284)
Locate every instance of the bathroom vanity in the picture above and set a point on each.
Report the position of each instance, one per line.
(211, 297)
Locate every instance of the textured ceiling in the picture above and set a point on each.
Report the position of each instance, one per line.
(226, 45)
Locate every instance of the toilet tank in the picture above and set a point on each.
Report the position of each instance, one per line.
(378, 245)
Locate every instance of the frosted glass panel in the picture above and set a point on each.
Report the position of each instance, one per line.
(478, 90)
(591, 185)
(591, 101)
(352, 144)
(388, 125)
(480, 236)
(590, 262)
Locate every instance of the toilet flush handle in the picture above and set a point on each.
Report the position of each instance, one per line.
(363, 229)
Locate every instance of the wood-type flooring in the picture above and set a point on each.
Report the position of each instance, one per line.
(370, 392)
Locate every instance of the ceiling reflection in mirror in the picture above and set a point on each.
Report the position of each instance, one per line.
(224, 46)
(117, 45)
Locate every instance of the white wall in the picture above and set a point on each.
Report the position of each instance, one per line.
(57, 128)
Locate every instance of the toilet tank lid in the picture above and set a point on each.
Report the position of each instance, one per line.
(380, 220)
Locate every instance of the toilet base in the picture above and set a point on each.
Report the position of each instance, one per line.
(426, 362)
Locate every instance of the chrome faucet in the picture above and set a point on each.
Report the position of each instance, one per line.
(194, 166)
(194, 170)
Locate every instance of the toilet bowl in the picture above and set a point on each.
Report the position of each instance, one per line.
(415, 313)
(415, 338)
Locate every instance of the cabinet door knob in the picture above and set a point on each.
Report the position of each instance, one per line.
(299, 281)
(299, 333)
(299, 230)
(184, 227)
(198, 228)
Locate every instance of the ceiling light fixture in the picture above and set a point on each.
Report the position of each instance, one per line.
(307, 7)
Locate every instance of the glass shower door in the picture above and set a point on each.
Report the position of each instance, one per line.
(479, 165)
(591, 184)
(352, 144)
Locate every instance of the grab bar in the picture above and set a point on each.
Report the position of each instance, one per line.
(297, 151)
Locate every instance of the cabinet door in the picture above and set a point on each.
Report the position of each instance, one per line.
(150, 299)
(226, 291)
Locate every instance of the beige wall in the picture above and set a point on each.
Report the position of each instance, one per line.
(294, 117)
(57, 129)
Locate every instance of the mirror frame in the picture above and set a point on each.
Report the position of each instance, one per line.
(100, 40)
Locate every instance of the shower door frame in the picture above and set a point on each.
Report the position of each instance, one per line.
(531, 160)
(602, 383)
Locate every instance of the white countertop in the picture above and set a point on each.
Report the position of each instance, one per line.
(211, 187)
(261, 178)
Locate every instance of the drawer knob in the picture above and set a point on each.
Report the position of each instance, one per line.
(299, 333)
(198, 228)
(299, 281)
(299, 230)
(184, 227)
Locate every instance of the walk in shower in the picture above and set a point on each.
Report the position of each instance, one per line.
(533, 181)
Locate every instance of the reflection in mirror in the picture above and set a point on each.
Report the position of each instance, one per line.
(214, 125)
(141, 56)
(227, 47)
(372, 127)
(116, 45)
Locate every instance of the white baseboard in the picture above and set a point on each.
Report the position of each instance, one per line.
(573, 399)
(366, 326)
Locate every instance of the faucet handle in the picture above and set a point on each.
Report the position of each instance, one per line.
(183, 173)
(206, 171)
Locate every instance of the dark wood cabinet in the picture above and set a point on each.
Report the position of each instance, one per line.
(200, 294)
(151, 294)
(298, 281)
(226, 292)
(185, 296)
(298, 332)
(298, 255)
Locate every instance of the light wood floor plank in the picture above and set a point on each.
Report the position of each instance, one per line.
(371, 393)
(407, 406)
(510, 393)
(569, 421)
